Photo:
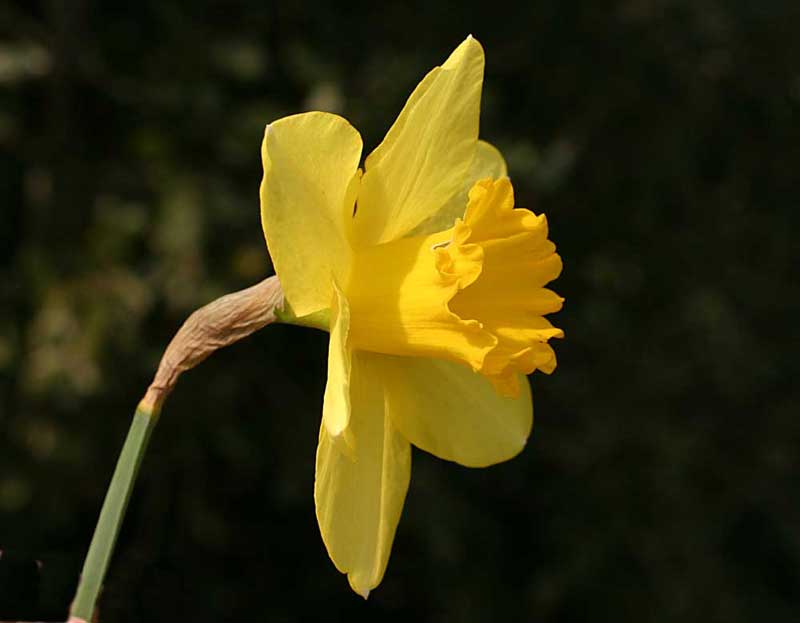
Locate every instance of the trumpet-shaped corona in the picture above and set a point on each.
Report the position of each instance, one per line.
(473, 294)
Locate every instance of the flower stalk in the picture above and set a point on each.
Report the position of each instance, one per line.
(214, 326)
(112, 513)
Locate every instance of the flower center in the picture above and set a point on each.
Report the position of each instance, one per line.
(472, 294)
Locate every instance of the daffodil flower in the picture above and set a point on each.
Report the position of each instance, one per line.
(432, 287)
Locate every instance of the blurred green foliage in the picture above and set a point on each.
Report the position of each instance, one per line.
(661, 139)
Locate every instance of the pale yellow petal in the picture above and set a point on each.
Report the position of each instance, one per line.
(488, 162)
(336, 405)
(307, 199)
(359, 490)
(454, 413)
(426, 155)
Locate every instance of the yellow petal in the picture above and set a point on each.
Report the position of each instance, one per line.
(307, 199)
(454, 413)
(488, 162)
(359, 492)
(426, 155)
(336, 406)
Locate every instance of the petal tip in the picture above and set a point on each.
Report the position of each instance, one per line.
(469, 50)
(268, 132)
(471, 40)
(363, 591)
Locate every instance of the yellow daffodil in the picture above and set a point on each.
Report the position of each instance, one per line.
(432, 287)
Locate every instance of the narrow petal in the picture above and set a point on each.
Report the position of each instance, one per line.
(336, 406)
(426, 155)
(488, 162)
(360, 489)
(307, 199)
(446, 409)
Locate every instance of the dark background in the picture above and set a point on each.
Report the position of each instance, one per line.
(661, 138)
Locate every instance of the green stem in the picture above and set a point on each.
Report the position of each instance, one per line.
(112, 513)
